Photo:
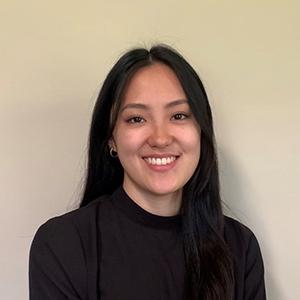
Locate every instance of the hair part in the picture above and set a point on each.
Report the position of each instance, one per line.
(208, 260)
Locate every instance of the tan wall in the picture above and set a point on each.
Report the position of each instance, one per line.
(53, 57)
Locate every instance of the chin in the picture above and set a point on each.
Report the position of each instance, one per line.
(164, 190)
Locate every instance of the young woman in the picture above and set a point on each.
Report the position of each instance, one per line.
(150, 225)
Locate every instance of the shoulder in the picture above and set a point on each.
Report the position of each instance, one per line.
(240, 239)
(238, 235)
(244, 247)
(67, 244)
(64, 249)
(72, 225)
(235, 231)
(247, 259)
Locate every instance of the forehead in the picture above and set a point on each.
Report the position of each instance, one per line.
(153, 84)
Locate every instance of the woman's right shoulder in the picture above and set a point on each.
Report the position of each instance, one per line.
(64, 249)
(75, 223)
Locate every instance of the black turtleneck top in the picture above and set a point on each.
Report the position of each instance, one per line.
(113, 249)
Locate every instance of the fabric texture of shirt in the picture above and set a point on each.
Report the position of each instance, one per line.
(113, 249)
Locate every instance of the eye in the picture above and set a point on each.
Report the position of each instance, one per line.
(135, 120)
(180, 116)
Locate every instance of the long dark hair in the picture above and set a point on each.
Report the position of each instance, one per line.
(209, 269)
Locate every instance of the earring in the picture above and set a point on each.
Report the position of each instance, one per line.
(113, 153)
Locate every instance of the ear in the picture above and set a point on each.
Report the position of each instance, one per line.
(112, 144)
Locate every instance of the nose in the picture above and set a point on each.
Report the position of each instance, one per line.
(160, 136)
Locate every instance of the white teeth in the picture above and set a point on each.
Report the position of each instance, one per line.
(160, 161)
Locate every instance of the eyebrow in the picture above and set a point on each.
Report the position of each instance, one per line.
(146, 107)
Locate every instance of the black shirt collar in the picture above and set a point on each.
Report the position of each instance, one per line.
(136, 213)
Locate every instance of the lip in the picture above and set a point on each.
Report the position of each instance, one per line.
(161, 168)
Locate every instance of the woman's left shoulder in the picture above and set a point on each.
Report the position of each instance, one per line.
(244, 245)
(247, 259)
(236, 232)
(239, 237)
(242, 242)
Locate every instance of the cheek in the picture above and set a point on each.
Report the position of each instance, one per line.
(193, 149)
(191, 140)
(128, 140)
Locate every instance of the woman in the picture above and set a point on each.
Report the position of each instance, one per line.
(150, 224)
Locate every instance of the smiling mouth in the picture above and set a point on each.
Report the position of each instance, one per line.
(160, 161)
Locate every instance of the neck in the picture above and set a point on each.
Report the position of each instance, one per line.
(165, 205)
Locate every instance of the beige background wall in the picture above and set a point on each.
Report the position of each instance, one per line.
(53, 58)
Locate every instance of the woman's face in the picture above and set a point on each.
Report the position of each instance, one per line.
(156, 135)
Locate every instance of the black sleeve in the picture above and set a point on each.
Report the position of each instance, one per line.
(55, 264)
(254, 273)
